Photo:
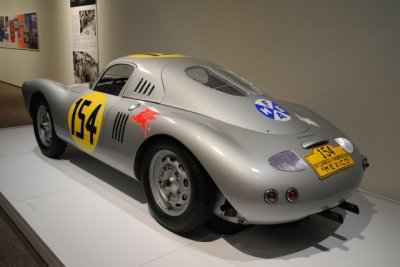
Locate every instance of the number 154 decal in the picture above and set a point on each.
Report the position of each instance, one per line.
(84, 120)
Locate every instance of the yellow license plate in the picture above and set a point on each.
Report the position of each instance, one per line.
(327, 160)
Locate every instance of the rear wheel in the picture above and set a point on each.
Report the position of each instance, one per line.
(179, 192)
(49, 143)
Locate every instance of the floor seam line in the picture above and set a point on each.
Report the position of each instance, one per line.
(51, 193)
(16, 154)
(166, 254)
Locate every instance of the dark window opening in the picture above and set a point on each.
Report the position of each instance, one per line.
(114, 79)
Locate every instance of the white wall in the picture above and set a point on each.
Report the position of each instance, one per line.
(341, 58)
(54, 60)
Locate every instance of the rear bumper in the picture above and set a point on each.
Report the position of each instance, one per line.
(315, 195)
(283, 213)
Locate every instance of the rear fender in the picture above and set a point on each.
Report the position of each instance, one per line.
(205, 138)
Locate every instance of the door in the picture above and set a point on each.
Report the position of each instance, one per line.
(114, 148)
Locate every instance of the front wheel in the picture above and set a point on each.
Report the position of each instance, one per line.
(179, 192)
(49, 143)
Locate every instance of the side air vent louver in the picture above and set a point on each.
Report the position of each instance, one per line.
(144, 87)
(119, 127)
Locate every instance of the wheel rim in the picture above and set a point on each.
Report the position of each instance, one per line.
(169, 183)
(44, 125)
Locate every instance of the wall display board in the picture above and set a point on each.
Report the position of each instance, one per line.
(84, 37)
(19, 31)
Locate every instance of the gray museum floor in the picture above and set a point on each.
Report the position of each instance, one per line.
(80, 212)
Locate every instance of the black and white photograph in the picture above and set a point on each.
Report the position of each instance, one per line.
(87, 20)
(85, 67)
(75, 3)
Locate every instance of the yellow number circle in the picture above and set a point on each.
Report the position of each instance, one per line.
(84, 120)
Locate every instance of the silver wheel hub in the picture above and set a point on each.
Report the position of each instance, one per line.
(169, 183)
(44, 125)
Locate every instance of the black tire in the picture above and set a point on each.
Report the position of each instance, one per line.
(49, 143)
(170, 159)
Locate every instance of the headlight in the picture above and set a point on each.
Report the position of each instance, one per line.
(287, 161)
(345, 144)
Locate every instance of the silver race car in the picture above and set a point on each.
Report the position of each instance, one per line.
(202, 141)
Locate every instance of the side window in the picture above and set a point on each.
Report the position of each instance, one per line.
(114, 79)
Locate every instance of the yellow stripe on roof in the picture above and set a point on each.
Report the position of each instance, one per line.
(155, 55)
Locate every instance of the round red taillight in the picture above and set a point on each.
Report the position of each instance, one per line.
(292, 195)
(271, 196)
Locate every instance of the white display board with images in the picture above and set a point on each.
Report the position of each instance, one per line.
(84, 37)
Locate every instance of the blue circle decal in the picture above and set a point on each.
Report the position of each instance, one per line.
(272, 110)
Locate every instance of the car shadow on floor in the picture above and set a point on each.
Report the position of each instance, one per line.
(313, 235)
(98, 170)
(310, 236)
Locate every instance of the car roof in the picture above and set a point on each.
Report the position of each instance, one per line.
(148, 59)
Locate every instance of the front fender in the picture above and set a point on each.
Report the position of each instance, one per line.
(59, 98)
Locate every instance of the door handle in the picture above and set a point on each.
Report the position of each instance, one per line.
(134, 106)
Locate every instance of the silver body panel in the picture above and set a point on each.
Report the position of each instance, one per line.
(227, 134)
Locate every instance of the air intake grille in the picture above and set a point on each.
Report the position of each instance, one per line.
(214, 81)
(119, 127)
(144, 87)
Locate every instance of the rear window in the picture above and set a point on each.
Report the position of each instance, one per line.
(222, 80)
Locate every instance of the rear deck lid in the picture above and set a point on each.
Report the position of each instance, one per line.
(204, 88)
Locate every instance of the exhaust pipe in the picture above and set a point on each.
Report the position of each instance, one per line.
(336, 217)
(349, 207)
(331, 215)
(365, 162)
